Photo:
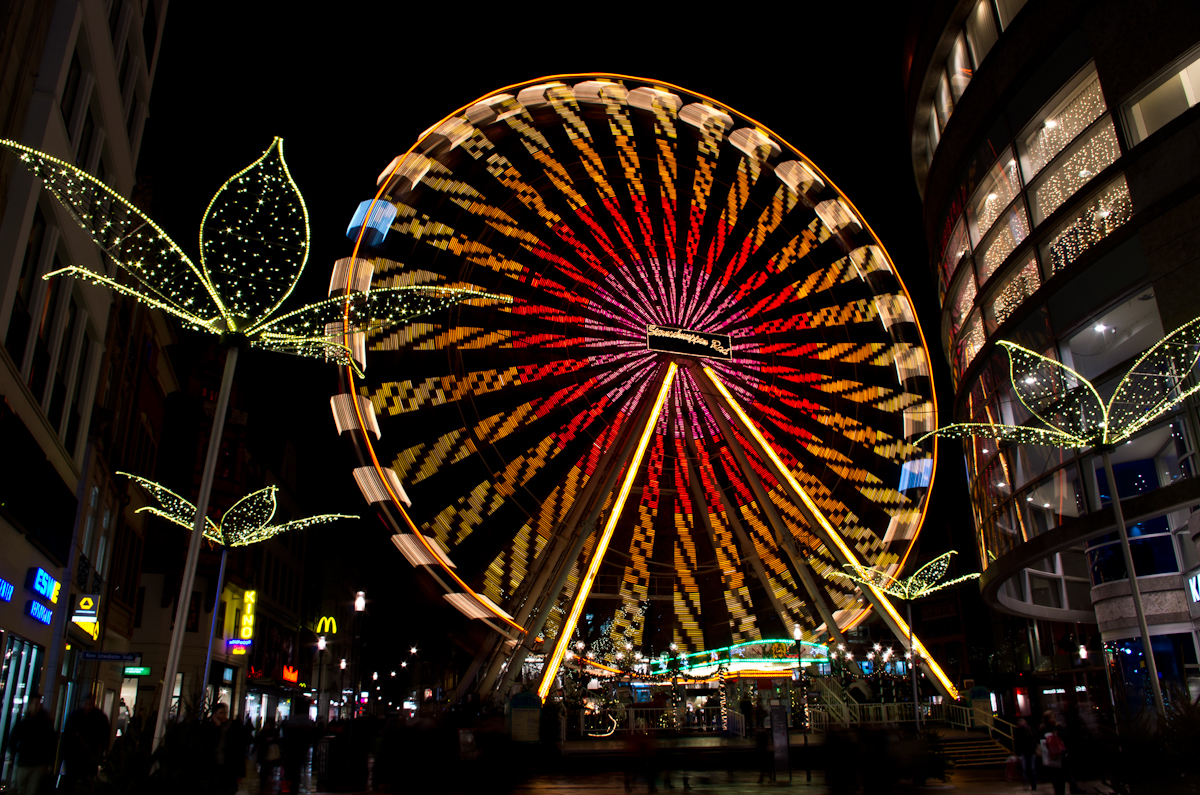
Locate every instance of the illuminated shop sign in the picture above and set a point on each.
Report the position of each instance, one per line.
(6, 590)
(327, 624)
(86, 614)
(689, 343)
(41, 583)
(39, 612)
(1194, 587)
(290, 674)
(135, 670)
(238, 646)
(249, 602)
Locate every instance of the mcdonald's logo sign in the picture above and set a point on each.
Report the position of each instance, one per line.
(327, 624)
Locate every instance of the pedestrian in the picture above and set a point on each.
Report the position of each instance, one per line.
(268, 754)
(1075, 735)
(1052, 750)
(33, 743)
(224, 747)
(1025, 746)
(85, 742)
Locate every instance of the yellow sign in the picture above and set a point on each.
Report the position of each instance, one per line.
(86, 603)
(327, 624)
(249, 602)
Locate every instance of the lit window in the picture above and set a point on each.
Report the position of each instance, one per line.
(1091, 224)
(1007, 234)
(1096, 151)
(994, 194)
(1052, 131)
(1165, 100)
(958, 67)
(981, 31)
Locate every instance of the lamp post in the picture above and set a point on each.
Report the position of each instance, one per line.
(321, 715)
(360, 606)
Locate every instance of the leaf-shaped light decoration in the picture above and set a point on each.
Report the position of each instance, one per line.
(1054, 393)
(1069, 408)
(247, 521)
(922, 582)
(254, 243)
(254, 237)
(1157, 382)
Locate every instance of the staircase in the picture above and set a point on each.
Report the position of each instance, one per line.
(973, 752)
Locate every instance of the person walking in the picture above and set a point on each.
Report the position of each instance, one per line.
(85, 742)
(33, 743)
(1052, 750)
(269, 755)
(224, 747)
(1025, 746)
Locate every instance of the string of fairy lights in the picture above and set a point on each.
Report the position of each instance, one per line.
(247, 521)
(254, 243)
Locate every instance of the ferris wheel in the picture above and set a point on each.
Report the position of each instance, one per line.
(687, 400)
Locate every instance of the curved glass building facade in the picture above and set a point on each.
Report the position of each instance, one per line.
(1056, 146)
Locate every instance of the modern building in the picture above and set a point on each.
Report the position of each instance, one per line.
(77, 82)
(1056, 147)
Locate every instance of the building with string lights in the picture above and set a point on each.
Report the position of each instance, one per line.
(1055, 147)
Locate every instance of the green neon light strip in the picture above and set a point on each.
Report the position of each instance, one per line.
(729, 657)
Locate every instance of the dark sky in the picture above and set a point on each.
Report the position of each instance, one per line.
(349, 89)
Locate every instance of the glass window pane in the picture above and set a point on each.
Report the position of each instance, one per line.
(1006, 234)
(1007, 10)
(1119, 334)
(969, 343)
(1032, 461)
(1045, 591)
(1104, 215)
(1057, 499)
(942, 102)
(956, 249)
(958, 66)
(994, 194)
(1056, 129)
(981, 31)
(1096, 152)
(1178, 92)
(963, 302)
(1020, 285)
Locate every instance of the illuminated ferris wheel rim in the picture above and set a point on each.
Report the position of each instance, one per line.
(362, 439)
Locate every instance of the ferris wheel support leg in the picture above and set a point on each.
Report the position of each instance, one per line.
(782, 534)
(828, 535)
(550, 671)
(570, 536)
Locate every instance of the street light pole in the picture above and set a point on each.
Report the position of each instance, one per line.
(193, 556)
(321, 715)
(1134, 590)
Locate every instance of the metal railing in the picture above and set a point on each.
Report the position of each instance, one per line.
(604, 723)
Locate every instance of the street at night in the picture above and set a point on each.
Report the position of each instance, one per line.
(596, 399)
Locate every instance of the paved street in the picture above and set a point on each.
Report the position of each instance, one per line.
(989, 782)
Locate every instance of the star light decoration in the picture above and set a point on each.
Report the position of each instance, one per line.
(254, 243)
(248, 521)
(1067, 408)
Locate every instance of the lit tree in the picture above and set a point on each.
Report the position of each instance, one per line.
(254, 243)
(1068, 412)
(922, 582)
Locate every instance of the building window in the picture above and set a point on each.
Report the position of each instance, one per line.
(943, 104)
(1020, 285)
(71, 89)
(1114, 337)
(1009, 231)
(1165, 99)
(1150, 542)
(1096, 150)
(1006, 10)
(20, 319)
(994, 194)
(958, 67)
(1107, 212)
(86, 136)
(1055, 128)
(981, 31)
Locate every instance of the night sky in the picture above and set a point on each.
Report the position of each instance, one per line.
(349, 90)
